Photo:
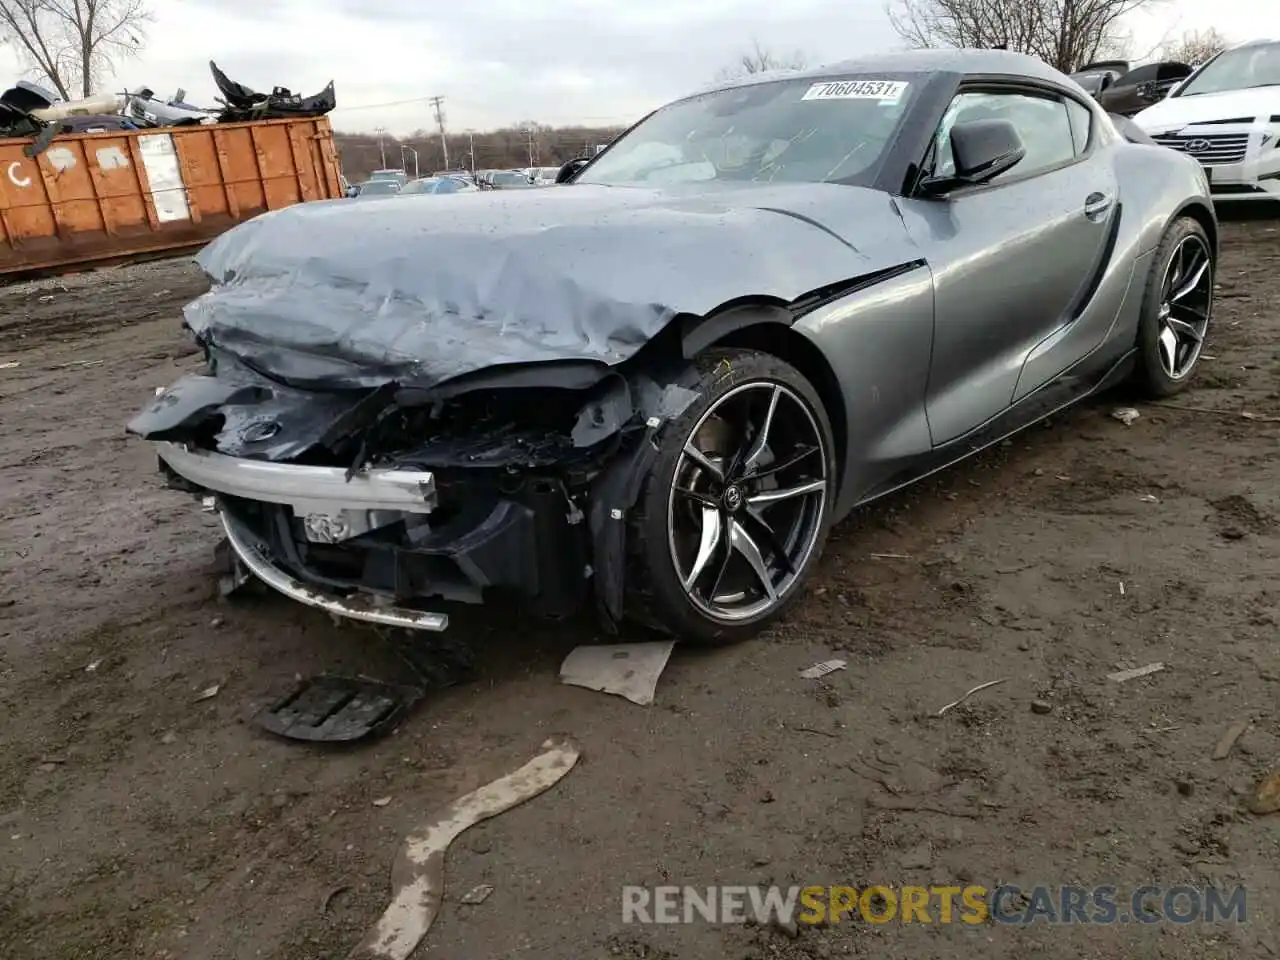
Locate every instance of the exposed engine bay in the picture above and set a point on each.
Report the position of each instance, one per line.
(528, 470)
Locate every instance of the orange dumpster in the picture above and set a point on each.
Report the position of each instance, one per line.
(104, 196)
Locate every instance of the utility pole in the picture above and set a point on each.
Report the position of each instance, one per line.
(382, 149)
(437, 104)
(529, 129)
(471, 135)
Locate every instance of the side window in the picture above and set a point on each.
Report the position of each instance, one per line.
(1081, 119)
(1043, 123)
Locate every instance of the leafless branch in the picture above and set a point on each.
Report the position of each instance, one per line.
(760, 60)
(73, 44)
(1064, 33)
(1195, 46)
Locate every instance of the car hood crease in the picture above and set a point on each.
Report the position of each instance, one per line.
(421, 290)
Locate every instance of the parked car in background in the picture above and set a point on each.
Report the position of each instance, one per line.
(1227, 116)
(655, 402)
(542, 176)
(1096, 77)
(376, 188)
(509, 180)
(438, 185)
(1129, 91)
(399, 176)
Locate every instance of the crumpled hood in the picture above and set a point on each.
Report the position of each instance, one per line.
(422, 289)
(1172, 113)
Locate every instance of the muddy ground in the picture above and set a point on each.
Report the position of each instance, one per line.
(138, 823)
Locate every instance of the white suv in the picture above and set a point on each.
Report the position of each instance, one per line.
(1227, 116)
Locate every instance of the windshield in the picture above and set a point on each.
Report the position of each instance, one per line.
(797, 131)
(1253, 66)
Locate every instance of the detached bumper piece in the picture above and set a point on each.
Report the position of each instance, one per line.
(338, 710)
(373, 545)
(254, 554)
(306, 489)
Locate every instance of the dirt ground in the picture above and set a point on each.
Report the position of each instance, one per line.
(137, 822)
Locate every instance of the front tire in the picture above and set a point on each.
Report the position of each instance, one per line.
(734, 513)
(1176, 310)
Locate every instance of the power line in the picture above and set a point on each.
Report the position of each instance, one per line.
(379, 106)
(614, 119)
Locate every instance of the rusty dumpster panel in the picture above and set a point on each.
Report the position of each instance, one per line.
(102, 196)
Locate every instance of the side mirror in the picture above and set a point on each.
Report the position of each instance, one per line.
(983, 149)
(568, 171)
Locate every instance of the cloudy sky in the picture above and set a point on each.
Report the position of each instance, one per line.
(554, 61)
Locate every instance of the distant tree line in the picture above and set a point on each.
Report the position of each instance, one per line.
(505, 149)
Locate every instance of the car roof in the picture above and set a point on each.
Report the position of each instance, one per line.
(993, 62)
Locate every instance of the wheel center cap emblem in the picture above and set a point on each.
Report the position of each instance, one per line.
(733, 498)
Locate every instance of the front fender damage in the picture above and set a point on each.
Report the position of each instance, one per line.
(582, 436)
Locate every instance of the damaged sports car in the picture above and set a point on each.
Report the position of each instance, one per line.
(653, 388)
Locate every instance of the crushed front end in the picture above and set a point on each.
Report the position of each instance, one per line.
(377, 503)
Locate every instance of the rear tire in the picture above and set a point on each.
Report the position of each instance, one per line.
(729, 523)
(1176, 310)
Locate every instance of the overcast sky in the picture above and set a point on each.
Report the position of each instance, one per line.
(554, 61)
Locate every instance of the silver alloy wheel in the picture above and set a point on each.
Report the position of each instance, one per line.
(1186, 299)
(747, 501)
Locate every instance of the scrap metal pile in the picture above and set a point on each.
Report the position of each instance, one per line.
(29, 110)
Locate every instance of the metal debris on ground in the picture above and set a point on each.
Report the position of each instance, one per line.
(208, 693)
(822, 669)
(1123, 676)
(890, 556)
(629, 670)
(1149, 498)
(1229, 738)
(10, 364)
(382, 801)
(417, 876)
(1266, 799)
(328, 709)
(1259, 417)
(477, 894)
(1125, 415)
(970, 693)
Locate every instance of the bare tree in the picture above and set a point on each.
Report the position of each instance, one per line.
(1064, 33)
(760, 60)
(74, 43)
(1195, 46)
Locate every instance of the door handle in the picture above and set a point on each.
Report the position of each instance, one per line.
(1097, 204)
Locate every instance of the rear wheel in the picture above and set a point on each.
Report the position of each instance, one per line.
(735, 510)
(1176, 310)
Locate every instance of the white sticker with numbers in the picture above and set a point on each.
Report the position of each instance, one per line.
(886, 91)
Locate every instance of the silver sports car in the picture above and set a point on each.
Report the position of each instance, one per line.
(654, 388)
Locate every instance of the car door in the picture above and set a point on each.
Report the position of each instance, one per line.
(1012, 259)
